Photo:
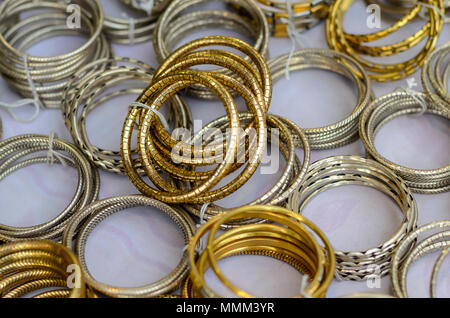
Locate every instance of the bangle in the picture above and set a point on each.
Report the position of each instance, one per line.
(48, 73)
(174, 15)
(343, 170)
(404, 255)
(14, 149)
(34, 265)
(96, 213)
(435, 75)
(353, 44)
(306, 14)
(388, 107)
(293, 174)
(346, 130)
(174, 75)
(85, 91)
(289, 240)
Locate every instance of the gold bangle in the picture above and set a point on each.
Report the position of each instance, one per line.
(353, 45)
(288, 240)
(29, 266)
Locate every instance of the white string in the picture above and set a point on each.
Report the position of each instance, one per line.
(294, 34)
(337, 275)
(430, 6)
(26, 101)
(157, 113)
(202, 214)
(303, 285)
(52, 154)
(131, 31)
(146, 5)
(417, 96)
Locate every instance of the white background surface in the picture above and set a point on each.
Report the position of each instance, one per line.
(138, 246)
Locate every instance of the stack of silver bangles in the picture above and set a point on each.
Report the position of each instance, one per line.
(175, 23)
(48, 19)
(337, 171)
(346, 130)
(435, 75)
(388, 107)
(87, 89)
(293, 174)
(25, 150)
(96, 213)
(403, 258)
(131, 30)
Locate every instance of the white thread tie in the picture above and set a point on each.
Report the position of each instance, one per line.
(52, 154)
(202, 214)
(146, 5)
(156, 112)
(26, 101)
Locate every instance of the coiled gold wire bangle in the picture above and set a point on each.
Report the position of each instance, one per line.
(289, 240)
(435, 75)
(404, 257)
(30, 266)
(25, 150)
(388, 107)
(337, 171)
(354, 45)
(157, 148)
(38, 21)
(92, 215)
(346, 130)
(86, 90)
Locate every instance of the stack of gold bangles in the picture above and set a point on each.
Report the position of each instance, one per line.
(290, 239)
(356, 46)
(157, 148)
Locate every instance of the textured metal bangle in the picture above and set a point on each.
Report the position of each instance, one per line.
(306, 14)
(435, 75)
(346, 130)
(343, 170)
(85, 91)
(290, 239)
(354, 45)
(49, 19)
(92, 215)
(403, 258)
(174, 15)
(163, 152)
(35, 265)
(291, 178)
(388, 107)
(14, 149)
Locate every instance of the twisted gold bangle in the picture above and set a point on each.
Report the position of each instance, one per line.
(353, 44)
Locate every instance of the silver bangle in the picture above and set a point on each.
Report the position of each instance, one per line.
(85, 92)
(403, 258)
(92, 215)
(343, 170)
(49, 19)
(388, 107)
(346, 130)
(14, 155)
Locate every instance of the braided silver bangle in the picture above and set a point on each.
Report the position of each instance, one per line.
(346, 130)
(293, 174)
(343, 170)
(49, 19)
(402, 259)
(85, 91)
(388, 107)
(92, 215)
(15, 154)
(435, 75)
(174, 23)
